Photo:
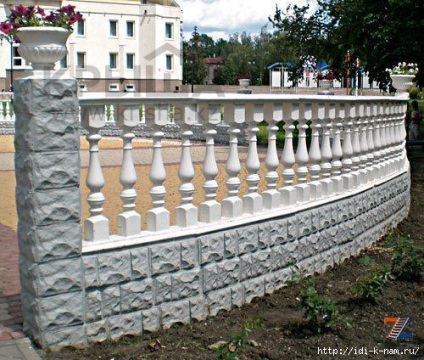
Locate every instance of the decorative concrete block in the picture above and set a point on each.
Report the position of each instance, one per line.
(97, 331)
(198, 310)
(237, 295)
(46, 243)
(315, 220)
(124, 324)
(308, 246)
(246, 270)
(292, 229)
(305, 267)
(137, 295)
(254, 288)
(247, 239)
(114, 267)
(211, 248)
(163, 288)
(140, 266)
(165, 258)
(289, 252)
(219, 300)
(261, 262)
(210, 277)
(186, 284)
(189, 254)
(325, 216)
(111, 301)
(278, 258)
(93, 305)
(65, 336)
(47, 170)
(228, 272)
(46, 207)
(304, 224)
(272, 233)
(91, 278)
(151, 319)
(230, 244)
(54, 277)
(175, 312)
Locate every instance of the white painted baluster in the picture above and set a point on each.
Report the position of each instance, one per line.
(336, 164)
(288, 192)
(252, 201)
(232, 205)
(348, 181)
(315, 151)
(402, 135)
(370, 141)
(186, 214)
(377, 141)
(96, 226)
(302, 157)
(392, 155)
(384, 140)
(210, 209)
(158, 218)
(356, 149)
(326, 153)
(363, 144)
(129, 221)
(9, 111)
(273, 113)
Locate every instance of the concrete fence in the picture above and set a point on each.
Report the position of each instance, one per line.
(82, 284)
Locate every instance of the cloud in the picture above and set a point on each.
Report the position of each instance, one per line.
(229, 16)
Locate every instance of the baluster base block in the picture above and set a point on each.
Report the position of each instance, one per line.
(186, 215)
(210, 211)
(129, 224)
(232, 207)
(303, 193)
(348, 182)
(96, 228)
(158, 219)
(288, 196)
(271, 199)
(252, 203)
(338, 185)
(327, 187)
(316, 190)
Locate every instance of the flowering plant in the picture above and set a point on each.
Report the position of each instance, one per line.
(22, 16)
(328, 76)
(404, 69)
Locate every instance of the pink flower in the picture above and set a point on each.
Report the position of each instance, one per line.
(73, 19)
(69, 9)
(5, 27)
(51, 16)
(21, 10)
(41, 11)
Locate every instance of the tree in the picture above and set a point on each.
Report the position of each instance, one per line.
(381, 33)
(194, 53)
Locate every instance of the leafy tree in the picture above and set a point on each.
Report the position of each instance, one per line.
(381, 33)
(194, 53)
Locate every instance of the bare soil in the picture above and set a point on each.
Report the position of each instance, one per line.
(282, 332)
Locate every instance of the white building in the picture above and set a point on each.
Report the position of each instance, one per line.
(123, 45)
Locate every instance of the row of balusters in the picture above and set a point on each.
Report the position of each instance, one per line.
(352, 144)
(6, 111)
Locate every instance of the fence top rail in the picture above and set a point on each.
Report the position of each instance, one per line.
(90, 99)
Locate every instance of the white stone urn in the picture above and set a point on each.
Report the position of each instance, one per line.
(325, 87)
(244, 86)
(43, 46)
(402, 83)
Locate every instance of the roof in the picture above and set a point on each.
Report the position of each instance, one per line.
(163, 2)
(214, 61)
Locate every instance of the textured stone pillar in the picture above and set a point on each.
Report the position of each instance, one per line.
(48, 205)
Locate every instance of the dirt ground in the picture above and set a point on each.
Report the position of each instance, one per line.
(274, 328)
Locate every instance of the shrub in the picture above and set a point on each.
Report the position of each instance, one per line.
(407, 260)
(371, 285)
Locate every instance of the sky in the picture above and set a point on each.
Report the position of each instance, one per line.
(221, 18)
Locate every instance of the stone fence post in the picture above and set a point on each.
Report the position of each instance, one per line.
(47, 169)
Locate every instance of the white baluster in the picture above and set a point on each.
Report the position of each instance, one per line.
(326, 153)
(186, 214)
(363, 144)
(356, 149)
(385, 140)
(377, 142)
(370, 141)
(210, 209)
(315, 151)
(252, 201)
(302, 157)
(158, 217)
(402, 140)
(9, 111)
(336, 164)
(348, 181)
(392, 151)
(288, 192)
(232, 205)
(273, 113)
(129, 221)
(96, 226)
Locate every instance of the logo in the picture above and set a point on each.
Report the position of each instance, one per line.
(398, 329)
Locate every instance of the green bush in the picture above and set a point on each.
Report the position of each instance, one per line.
(371, 285)
(407, 260)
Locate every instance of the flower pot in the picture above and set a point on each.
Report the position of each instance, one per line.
(402, 83)
(244, 84)
(43, 46)
(325, 87)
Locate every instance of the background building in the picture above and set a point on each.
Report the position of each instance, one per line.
(123, 45)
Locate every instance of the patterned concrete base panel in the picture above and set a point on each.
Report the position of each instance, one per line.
(153, 286)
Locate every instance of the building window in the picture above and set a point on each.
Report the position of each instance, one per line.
(81, 28)
(130, 61)
(63, 64)
(169, 61)
(113, 60)
(130, 28)
(113, 28)
(80, 60)
(169, 30)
